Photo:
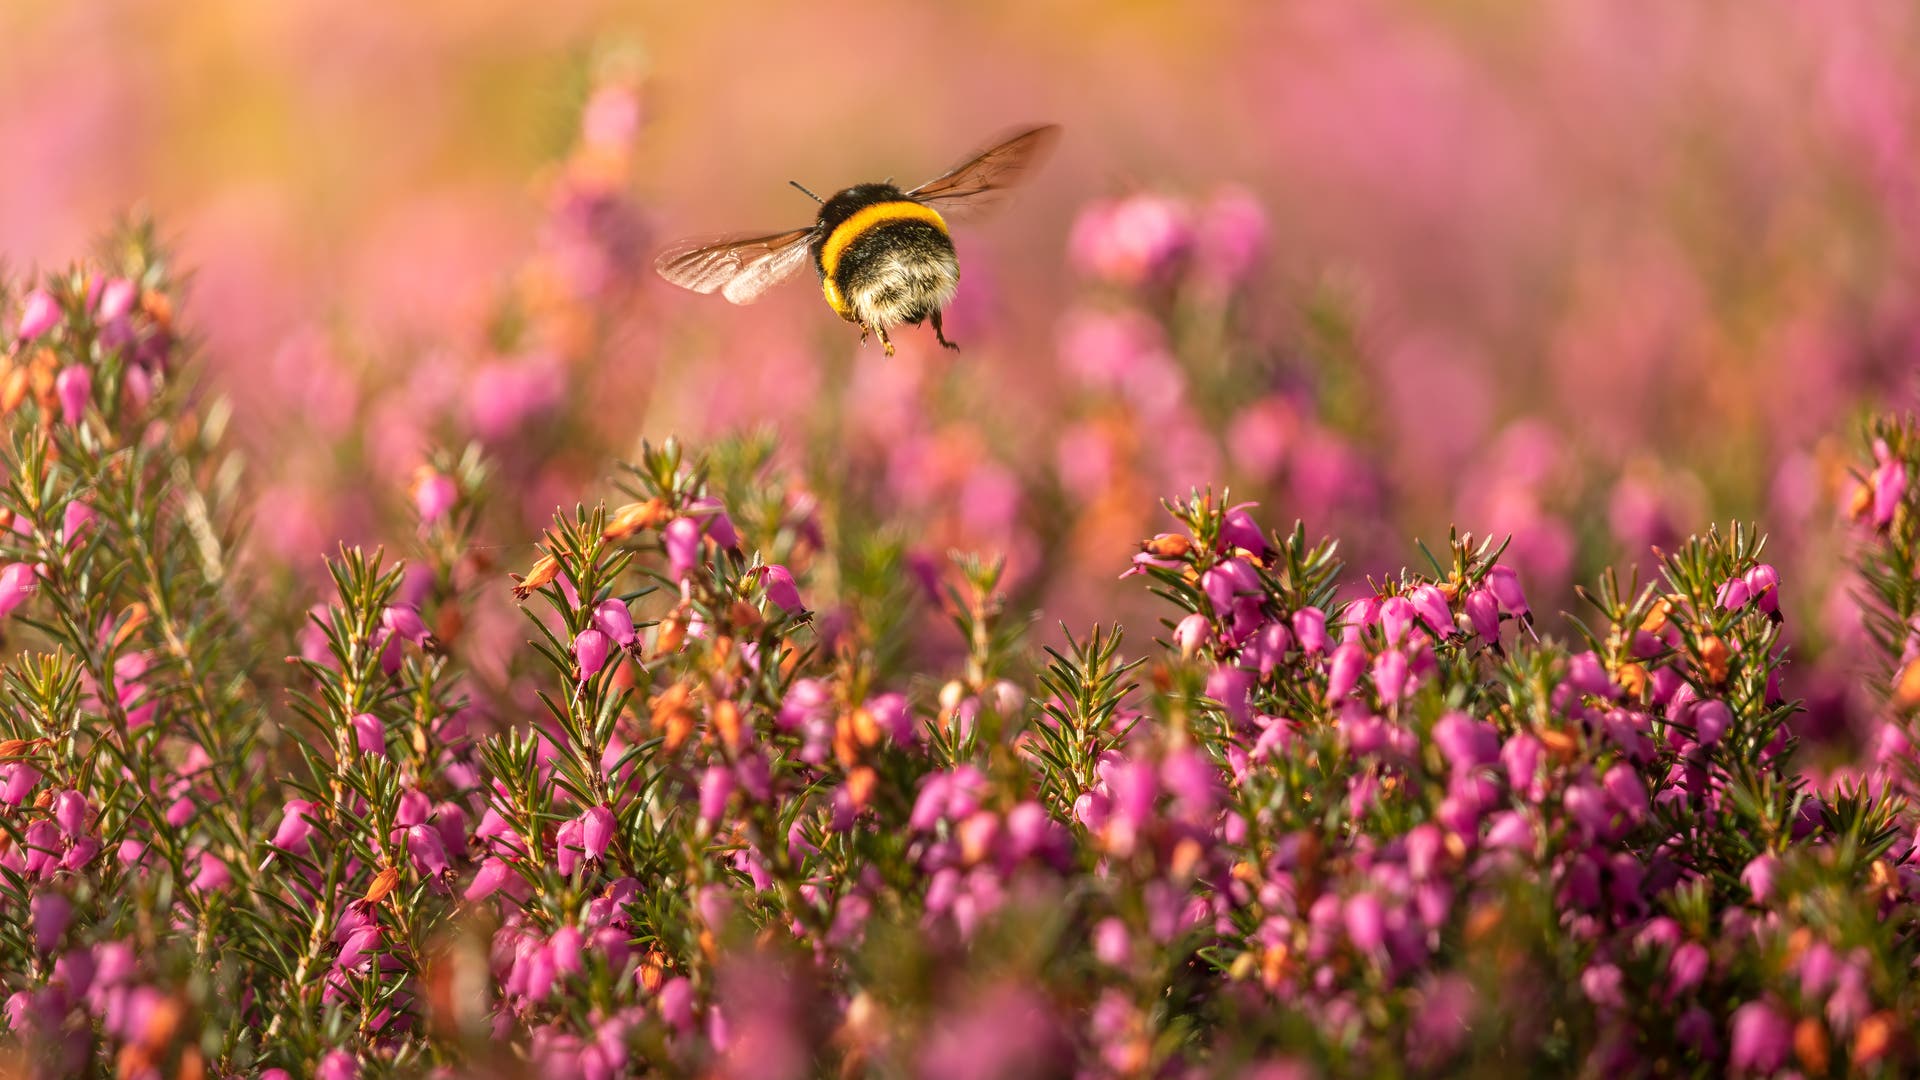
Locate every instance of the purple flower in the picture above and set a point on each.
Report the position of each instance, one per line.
(591, 648)
(1466, 743)
(16, 585)
(405, 621)
(682, 540)
(38, 315)
(778, 581)
(492, 875)
(1239, 530)
(1761, 1037)
(1192, 632)
(1484, 612)
(434, 494)
(50, 914)
(719, 525)
(1758, 876)
(1601, 983)
(73, 387)
(1687, 968)
(1131, 241)
(1310, 630)
(211, 874)
(369, 733)
(1732, 594)
(1431, 605)
(596, 831)
(1365, 920)
(428, 851)
(1763, 582)
(1505, 586)
(296, 825)
(70, 810)
(716, 784)
(1711, 721)
(1396, 618)
(1343, 671)
(612, 618)
(337, 1065)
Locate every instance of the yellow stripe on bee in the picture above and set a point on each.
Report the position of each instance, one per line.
(866, 218)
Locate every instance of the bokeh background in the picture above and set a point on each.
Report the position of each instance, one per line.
(1588, 273)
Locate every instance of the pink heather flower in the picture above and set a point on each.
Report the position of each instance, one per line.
(212, 874)
(1232, 578)
(1391, 677)
(1431, 606)
(74, 519)
(1132, 240)
(20, 778)
(591, 649)
(1343, 671)
(612, 618)
(779, 585)
(676, 1004)
(73, 387)
(1761, 1038)
(1687, 968)
(1466, 743)
(1758, 876)
(434, 495)
(1763, 582)
(116, 300)
(682, 540)
(1310, 630)
(566, 847)
(1484, 612)
(1601, 983)
(70, 810)
(493, 874)
(1112, 945)
(337, 1065)
(369, 733)
(428, 851)
(1628, 794)
(1239, 530)
(38, 315)
(1505, 586)
(718, 524)
(716, 784)
(296, 825)
(1511, 831)
(16, 584)
(1889, 485)
(1231, 237)
(1267, 648)
(596, 831)
(1192, 633)
(1711, 721)
(1396, 618)
(50, 914)
(1230, 686)
(1365, 921)
(405, 621)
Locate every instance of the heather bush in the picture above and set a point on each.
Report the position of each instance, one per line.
(717, 816)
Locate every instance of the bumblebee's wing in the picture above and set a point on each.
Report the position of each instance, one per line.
(740, 267)
(972, 186)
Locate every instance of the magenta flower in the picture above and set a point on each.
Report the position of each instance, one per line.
(1432, 608)
(1761, 1038)
(1888, 484)
(1365, 921)
(73, 387)
(19, 778)
(612, 618)
(39, 314)
(1505, 586)
(16, 585)
(1484, 612)
(337, 1065)
(1239, 530)
(1758, 876)
(70, 810)
(591, 648)
(493, 874)
(596, 831)
(681, 538)
(296, 825)
(778, 582)
(429, 852)
(211, 874)
(434, 495)
(1344, 670)
(1687, 968)
(76, 518)
(718, 524)
(1712, 719)
(1396, 618)
(404, 621)
(716, 784)
(369, 733)
(1763, 582)
(1192, 633)
(1310, 630)
(50, 914)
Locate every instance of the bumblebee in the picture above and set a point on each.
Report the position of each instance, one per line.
(884, 255)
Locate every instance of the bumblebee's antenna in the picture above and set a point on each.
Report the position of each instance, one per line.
(804, 191)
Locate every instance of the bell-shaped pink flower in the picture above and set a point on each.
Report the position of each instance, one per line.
(1484, 612)
(612, 618)
(596, 831)
(1711, 721)
(434, 494)
(1759, 874)
(716, 784)
(405, 621)
(1505, 586)
(51, 914)
(296, 825)
(1761, 1038)
(681, 538)
(71, 812)
(428, 852)
(1344, 670)
(337, 1065)
(16, 585)
(1431, 605)
(778, 581)
(1310, 630)
(591, 649)
(38, 315)
(1192, 632)
(718, 524)
(1239, 530)
(74, 388)
(369, 733)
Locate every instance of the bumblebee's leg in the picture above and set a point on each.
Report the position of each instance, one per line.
(885, 341)
(940, 334)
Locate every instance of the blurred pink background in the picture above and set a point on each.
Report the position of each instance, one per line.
(1593, 273)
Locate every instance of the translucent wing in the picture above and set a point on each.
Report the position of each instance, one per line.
(971, 186)
(739, 267)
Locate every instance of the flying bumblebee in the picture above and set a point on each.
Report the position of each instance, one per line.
(884, 255)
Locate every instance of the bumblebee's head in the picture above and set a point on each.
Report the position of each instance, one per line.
(847, 202)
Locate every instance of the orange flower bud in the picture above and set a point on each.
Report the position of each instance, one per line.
(1713, 658)
(540, 576)
(633, 517)
(1658, 616)
(1810, 1045)
(725, 720)
(1167, 546)
(1873, 1038)
(860, 785)
(383, 883)
(1906, 685)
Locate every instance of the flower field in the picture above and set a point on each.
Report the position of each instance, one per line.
(1415, 589)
